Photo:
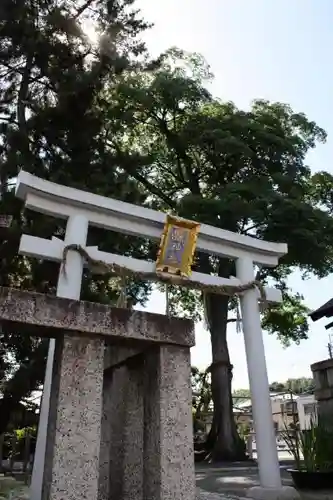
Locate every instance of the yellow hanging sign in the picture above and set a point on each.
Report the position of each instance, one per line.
(177, 246)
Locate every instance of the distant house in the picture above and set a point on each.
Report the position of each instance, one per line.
(243, 412)
(287, 410)
(307, 410)
(284, 410)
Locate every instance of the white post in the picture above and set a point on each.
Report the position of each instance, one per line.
(69, 286)
(268, 462)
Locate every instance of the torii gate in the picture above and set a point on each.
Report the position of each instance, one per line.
(82, 208)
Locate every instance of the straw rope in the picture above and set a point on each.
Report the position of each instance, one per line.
(123, 272)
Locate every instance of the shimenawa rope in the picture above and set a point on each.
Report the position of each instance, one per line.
(100, 267)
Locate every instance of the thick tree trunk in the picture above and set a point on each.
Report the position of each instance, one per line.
(224, 439)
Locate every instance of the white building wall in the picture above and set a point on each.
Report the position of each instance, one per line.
(307, 410)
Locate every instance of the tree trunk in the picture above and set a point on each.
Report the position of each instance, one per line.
(224, 439)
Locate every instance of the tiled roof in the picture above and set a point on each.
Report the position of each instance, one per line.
(324, 310)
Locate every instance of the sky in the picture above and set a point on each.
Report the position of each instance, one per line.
(276, 50)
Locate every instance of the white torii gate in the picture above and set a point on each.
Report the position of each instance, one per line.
(82, 208)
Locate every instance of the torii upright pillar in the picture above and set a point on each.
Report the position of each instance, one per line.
(269, 469)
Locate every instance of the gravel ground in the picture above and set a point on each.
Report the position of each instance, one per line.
(17, 491)
(204, 495)
(13, 490)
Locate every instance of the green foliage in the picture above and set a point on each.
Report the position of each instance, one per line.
(312, 448)
(244, 431)
(201, 397)
(242, 171)
(21, 434)
(206, 160)
(321, 189)
(294, 385)
(201, 391)
(185, 303)
(289, 320)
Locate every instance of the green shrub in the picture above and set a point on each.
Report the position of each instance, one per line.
(312, 448)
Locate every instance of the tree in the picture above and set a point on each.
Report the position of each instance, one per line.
(51, 124)
(294, 385)
(201, 395)
(206, 160)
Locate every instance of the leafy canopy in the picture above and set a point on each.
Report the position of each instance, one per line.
(242, 171)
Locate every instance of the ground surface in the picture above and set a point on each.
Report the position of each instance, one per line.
(217, 482)
(232, 480)
(214, 482)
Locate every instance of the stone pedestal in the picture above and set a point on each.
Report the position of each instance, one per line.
(75, 420)
(120, 426)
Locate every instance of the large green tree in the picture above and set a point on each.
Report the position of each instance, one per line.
(244, 171)
(51, 124)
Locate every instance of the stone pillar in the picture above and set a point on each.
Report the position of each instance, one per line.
(323, 381)
(72, 460)
(121, 462)
(168, 427)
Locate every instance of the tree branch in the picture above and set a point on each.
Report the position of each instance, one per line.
(140, 178)
(84, 7)
(180, 150)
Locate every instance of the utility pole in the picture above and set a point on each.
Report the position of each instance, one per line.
(330, 346)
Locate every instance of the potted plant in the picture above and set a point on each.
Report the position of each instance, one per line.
(312, 450)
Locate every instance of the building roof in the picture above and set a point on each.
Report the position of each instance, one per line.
(324, 310)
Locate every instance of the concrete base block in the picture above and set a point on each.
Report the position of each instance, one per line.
(283, 493)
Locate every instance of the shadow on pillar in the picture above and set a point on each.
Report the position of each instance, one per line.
(121, 459)
(147, 434)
